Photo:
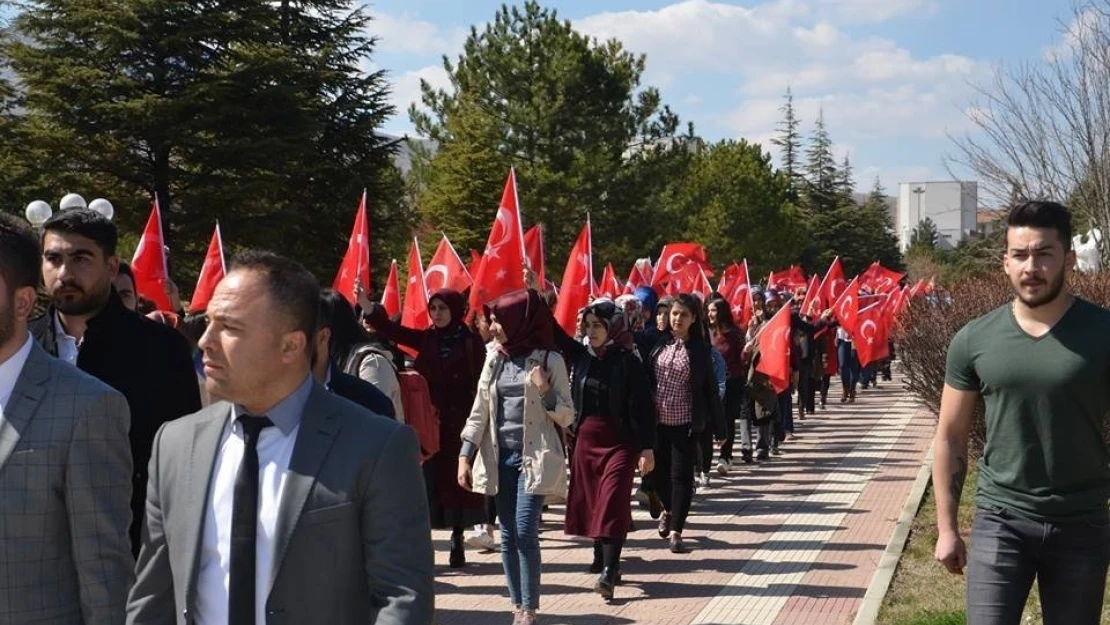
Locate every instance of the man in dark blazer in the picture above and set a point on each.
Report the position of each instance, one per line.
(88, 326)
(65, 469)
(288, 505)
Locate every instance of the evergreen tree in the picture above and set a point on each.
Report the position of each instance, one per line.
(789, 142)
(845, 183)
(821, 186)
(925, 235)
(251, 112)
(737, 204)
(568, 112)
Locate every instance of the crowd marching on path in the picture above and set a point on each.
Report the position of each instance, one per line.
(283, 454)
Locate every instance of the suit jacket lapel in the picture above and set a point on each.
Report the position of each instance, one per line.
(27, 394)
(319, 426)
(204, 448)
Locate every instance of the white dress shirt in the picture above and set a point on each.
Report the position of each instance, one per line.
(275, 449)
(68, 346)
(9, 373)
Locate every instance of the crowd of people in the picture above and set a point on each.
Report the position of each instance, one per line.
(251, 464)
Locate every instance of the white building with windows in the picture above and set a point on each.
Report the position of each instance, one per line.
(952, 205)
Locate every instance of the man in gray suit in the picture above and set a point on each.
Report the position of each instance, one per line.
(288, 505)
(65, 469)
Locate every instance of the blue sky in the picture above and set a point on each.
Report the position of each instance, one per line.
(894, 77)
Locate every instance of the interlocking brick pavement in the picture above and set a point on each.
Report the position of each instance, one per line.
(791, 541)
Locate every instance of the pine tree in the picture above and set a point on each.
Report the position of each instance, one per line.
(568, 112)
(251, 112)
(821, 188)
(789, 142)
(845, 183)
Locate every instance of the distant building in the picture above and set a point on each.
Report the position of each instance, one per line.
(951, 205)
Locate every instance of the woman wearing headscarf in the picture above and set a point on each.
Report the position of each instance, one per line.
(687, 400)
(614, 431)
(450, 357)
(511, 447)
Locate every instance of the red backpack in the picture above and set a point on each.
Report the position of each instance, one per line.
(420, 413)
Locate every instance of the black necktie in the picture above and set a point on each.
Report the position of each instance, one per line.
(244, 526)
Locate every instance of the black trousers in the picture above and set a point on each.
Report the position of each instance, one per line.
(735, 396)
(807, 388)
(673, 477)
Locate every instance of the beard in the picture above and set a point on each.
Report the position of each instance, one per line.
(81, 303)
(1054, 286)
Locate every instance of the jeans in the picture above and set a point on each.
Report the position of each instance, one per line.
(866, 374)
(675, 456)
(849, 365)
(519, 514)
(1007, 551)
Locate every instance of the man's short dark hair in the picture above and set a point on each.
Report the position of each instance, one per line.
(291, 287)
(87, 223)
(125, 270)
(1042, 214)
(20, 254)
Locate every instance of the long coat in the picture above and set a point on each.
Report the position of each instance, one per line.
(453, 380)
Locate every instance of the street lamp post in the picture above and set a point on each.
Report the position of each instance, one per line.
(918, 191)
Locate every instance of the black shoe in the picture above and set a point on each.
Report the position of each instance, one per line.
(655, 507)
(608, 580)
(746, 456)
(665, 525)
(762, 455)
(597, 565)
(457, 560)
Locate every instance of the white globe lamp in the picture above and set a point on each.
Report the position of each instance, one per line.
(71, 201)
(104, 207)
(38, 212)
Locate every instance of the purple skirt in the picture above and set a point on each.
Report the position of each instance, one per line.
(599, 504)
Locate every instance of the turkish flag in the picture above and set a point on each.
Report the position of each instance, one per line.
(502, 268)
(740, 297)
(391, 296)
(870, 339)
(674, 257)
(610, 286)
(640, 275)
(355, 268)
(211, 272)
(846, 308)
(535, 252)
(691, 279)
(475, 263)
(446, 271)
(149, 262)
(415, 312)
(787, 279)
(577, 285)
(729, 279)
(774, 350)
(833, 284)
(880, 279)
(811, 305)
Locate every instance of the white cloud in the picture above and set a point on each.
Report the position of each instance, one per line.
(406, 88)
(873, 10)
(408, 34)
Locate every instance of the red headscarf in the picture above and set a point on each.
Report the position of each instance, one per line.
(526, 321)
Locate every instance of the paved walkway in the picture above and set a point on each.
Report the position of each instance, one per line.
(795, 540)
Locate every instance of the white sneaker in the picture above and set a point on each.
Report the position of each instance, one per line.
(704, 480)
(723, 466)
(480, 540)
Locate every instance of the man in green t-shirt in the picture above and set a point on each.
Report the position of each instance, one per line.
(1041, 364)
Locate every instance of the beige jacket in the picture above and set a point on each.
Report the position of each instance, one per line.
(544, 464)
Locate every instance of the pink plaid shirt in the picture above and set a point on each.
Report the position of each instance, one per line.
(673, 399)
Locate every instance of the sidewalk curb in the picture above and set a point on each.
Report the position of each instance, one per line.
(884, 573)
